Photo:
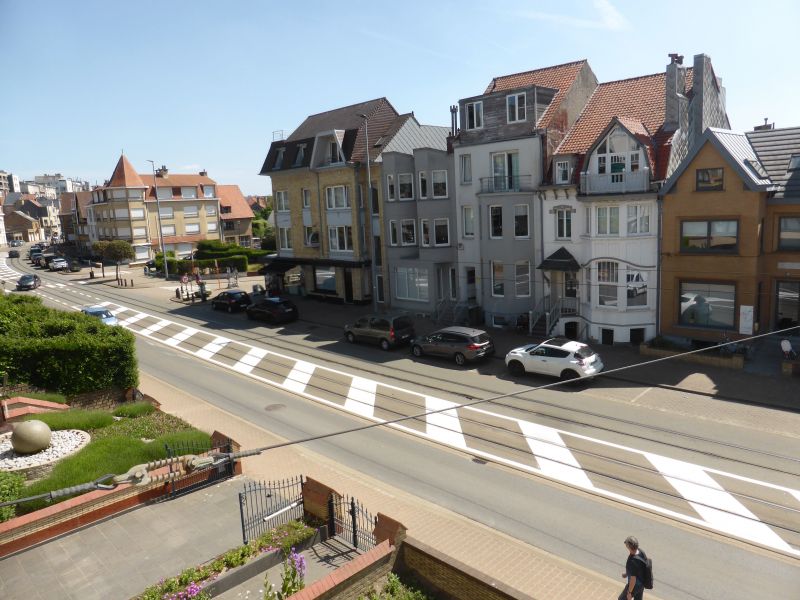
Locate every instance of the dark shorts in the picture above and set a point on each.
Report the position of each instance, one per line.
(638, 593)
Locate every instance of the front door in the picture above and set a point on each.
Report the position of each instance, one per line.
(787, 303)
(471, 290)
(348, 286)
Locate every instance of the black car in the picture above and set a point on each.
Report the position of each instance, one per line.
(15, 243)
(13, 254)
(231, 300)
(29, 282)
(273, 310)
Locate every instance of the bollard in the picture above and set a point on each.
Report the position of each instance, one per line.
(131, 282)
(124, 283)
(178, 293)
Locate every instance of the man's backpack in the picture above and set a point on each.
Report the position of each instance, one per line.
(647, 580)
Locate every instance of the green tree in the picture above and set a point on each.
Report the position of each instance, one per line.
(99, 249)
(268, 238)
(259, 227)
(119, 250)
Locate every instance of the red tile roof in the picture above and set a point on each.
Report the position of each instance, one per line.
(560, 77)
(173, 180)
(125, 175)
(231, 195)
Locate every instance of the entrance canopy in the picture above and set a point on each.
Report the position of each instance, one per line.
(560, 260)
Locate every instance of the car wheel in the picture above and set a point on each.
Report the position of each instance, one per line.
(568, 375)
(350, 337)
(516, 368)
(230, 308)
(416, 350)
(460, 359)
(385, 344)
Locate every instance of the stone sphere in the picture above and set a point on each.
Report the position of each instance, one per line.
(30, 436)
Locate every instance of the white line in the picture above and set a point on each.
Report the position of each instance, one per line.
(155, 327)
(553, 456)
(211, 348)
(133, 319)
(297, 380)
(119, 309)
(181, 336)
(361, 397)
(444, 426)
(250, 360)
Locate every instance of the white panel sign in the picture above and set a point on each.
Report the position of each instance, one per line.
(746, 320)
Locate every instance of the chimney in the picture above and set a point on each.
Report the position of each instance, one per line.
(162, 172)
(453, 120)
(204, 173)
(675, 85)
(765, 127)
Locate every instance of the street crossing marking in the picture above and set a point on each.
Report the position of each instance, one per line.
(148, 331)
(444, 426)
(211, 348)
(131, 320)
(297, 380)
(182, 336)
(250, 360)
(555, 459)
(361, 397)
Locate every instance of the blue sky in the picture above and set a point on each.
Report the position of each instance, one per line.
(203, 84)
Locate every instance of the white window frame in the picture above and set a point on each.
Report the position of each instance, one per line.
(137, 213)
(493, 281)
(403, 224)
(211, 226)
(140, 232)
(190, 211)
(604, 268)
(306, 198)
(604, 223)
(188, 192)
(425, 232)
(517, 117)
(408, 274)
(164, 193)
(168, 230)
(434, 175)
(191, 228)
(522, 279)
(492, 236)
(562, 171)
(281, 201)
(468, 221)
(447, 224)
(527, 234)
(394, 233)
(285, 238)
(638, 223)
(466, 168)
(166, 212)
(211, 210)
(423, 184)
(409, 181)
(564, 217)
(334, 202)
(476, 120)
(390, 189)
(208, 191)
(334, 241)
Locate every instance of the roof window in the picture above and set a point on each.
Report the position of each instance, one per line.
(794, 163)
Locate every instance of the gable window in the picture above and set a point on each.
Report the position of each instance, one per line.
(393, 233)
(495, 221)
(208, 191)
(306, 198)
(521, 220)
(441, 232)
(607, 220)
(301, 154)
(562, 171)
(468, 221)
(498, 285)
(709, 180)
(617, 154)
(709, 236)
(607, 274)
(439, 184)
(408, 230)
(336, 197)
(390, 187)
(466, 168)
(638, 219)
(522, 278)
(425, 232)
(634, 162)
(340, 239)
(278, 159)
(515, 107)
(405, 182)
(282, 201)
(285, 238)
(564, 223)
(474, 115)
(423, 184)
(617, 168)
(789, 233)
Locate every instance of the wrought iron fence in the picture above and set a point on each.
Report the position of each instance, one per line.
(265, 505)
(204, 477)
(349, 520)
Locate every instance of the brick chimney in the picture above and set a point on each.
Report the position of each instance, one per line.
(204, 173)
(674, 98)
(162, 172)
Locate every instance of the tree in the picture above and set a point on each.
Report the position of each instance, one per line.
(268, 239)
(99, 249)
(259, 228)
(119, 250)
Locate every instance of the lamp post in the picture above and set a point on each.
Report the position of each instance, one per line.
(369, 213)
(160, 229)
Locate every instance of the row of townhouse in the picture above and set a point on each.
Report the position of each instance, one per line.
(180, 209)
(22, 210)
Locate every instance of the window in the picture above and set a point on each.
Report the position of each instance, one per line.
(124, 232)
(188, 192)
(379, 288)
(636, 288)
(336, 197)
(393, 233)
(412, 284)
(325, 279)
(139, 232)
(638, 219)
(164, 193)
(521, 221)
(474, 115)
(564, 223)
(211, 226)
(137, 213)
(498, 285)
(165, 212)
(617, 168)
(709, 180)
(282, 201)
(423, 185)
(285, 238)
(211, 210)
(515, 107)
(278, 158)
(340, 239)
(789, 233)
(495, 221)
(310, 237)
(794, 162)
(306, 198)
(468, 219)
(192, 228)
(587, 220)
(601, 165)
(505, 172)
(441, 232)
(333, 152)
(439, 184)
(466, 168)
(118, 194)
(208, 191)
(607, 273)
(390, 187)
(707, 304)
(634, 162)
(608, 220)
(562, 171)
(119, 213)
(168, 229)
(189, 211)
(522, 278)
(406, 183)
(408, 230)
(301, 153)
(709, 236)
(425, 231)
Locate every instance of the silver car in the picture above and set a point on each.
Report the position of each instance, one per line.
(102, 313)
(461, 344)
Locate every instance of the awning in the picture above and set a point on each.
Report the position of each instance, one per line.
(281, 264)
(278, 267)
(560, 260)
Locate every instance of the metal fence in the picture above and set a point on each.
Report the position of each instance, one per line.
(265, 505)
(203, 477)
(349, 520)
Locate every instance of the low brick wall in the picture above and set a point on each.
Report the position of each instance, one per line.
(736, 361)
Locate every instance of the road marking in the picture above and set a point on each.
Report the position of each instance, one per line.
(133, 319)
(297, 380)
(361, 397)
(211, 348)
(250, 360)
(181, 336)
(444, 426)
(148, 331)
(553, 456)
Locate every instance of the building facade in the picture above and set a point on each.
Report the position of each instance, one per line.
(22, 227)
(236, 216)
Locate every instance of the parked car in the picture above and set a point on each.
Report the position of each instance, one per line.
(102, 313)
(15, 243)
(34, 256)
(231, 300)
(273, 310)
(74, 266)
(387, 331)
(13, 254)
(557, 357)
(29, 282)
(59, 264)
(461, 344)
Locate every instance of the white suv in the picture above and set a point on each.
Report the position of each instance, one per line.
(558, 357)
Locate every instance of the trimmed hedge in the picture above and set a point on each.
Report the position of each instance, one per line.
(182, 267)
(11, 485)
(69, 353)
(216, 249)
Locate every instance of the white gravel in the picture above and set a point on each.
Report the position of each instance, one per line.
(62, 443)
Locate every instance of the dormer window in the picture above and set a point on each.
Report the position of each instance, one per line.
(301, 153)
(333, 152)
(474, 115)
(616, 155)
(794, 163)
(279, 159)
(515, 106)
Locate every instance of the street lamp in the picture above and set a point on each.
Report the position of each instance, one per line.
(160, 229)
(369, 213)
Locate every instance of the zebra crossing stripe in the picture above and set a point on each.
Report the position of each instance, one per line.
(361, 397)
(211, 348)
(298, 378)
(250, 360)
(155, 327)
(554, 458)
(181, 336)
(444, 426)
(717, 507)
(133, 319)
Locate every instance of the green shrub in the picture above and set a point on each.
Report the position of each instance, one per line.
(182, 267)
(148, 427)
(49, 396)
(133, 410)
(74, 419)
(11, 485)
(395, 589)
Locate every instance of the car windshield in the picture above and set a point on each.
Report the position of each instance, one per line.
(103, 314)
(584, 352)
(402, 323)
(26, 278)
(480, 339)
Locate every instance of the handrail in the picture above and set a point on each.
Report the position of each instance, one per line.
(553, 315)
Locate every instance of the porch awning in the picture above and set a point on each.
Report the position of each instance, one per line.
(560, 260)
(278, 266)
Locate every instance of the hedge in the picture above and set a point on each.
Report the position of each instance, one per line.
(70, 353)
(215, 249)
(11, 485)
(181, 267)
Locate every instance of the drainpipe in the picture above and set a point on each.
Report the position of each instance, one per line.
(659, 204)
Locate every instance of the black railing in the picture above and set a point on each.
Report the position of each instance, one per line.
(265, 505)
(506, 183)
(350, 521)
(210, 475)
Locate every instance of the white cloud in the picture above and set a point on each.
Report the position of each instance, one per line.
(607, 17)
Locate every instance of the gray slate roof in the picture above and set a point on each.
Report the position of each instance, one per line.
(412, 135)
(339, 118)
(774, 148)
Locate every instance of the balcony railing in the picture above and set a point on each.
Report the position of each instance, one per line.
(506, 183)
(615, 183)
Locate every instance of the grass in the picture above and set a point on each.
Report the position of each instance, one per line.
(50, 396)
(136, 409)
(75, 419)
(148, 427)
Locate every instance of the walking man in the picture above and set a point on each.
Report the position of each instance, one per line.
(634, 571)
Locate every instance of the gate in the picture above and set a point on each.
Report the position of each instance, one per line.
(203, 477)
(265, 505)
(350, 521)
